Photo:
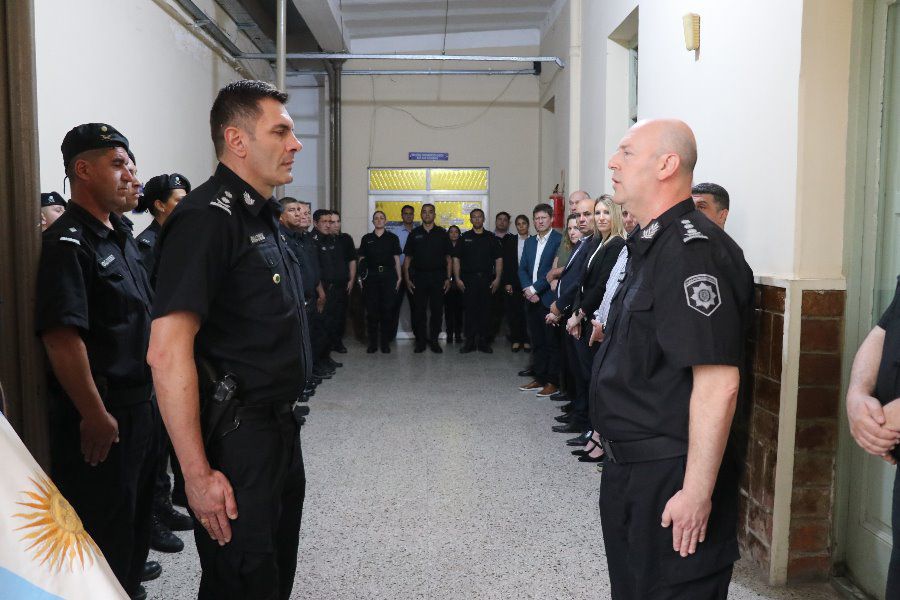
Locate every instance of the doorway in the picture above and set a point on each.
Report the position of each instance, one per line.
(876, 254)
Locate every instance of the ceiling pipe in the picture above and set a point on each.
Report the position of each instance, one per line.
(280, 62)
(439, 57)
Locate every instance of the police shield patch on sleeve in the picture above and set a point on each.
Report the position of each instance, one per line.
(702, 293)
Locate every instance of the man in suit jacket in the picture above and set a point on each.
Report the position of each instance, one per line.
(537, 260)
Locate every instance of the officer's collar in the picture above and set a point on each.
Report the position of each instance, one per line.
(243, 191)
(642, 238)
(90, 221)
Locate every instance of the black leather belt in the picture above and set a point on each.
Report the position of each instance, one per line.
(655, 448)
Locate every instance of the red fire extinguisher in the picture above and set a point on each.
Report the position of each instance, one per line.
(559, 215)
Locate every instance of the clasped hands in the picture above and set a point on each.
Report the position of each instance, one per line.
(875, 428)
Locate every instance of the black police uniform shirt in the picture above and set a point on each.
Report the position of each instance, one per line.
(90, 277)
(349, 248)
(376, 253)
(477, 252)
(222, 257)
(428, 249)
(335, 269)
(308, 267)
(146, 243)
(686, 300)
(887, 383)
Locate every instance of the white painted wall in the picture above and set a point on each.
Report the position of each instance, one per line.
(137, 68)
(554, 84)
(481, 121)
(308, 108)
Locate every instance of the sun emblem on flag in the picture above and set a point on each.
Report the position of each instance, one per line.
(52, 526)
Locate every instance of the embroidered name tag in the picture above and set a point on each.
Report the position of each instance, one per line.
(107, 261)
(257, 238)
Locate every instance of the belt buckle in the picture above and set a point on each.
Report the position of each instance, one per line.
(608, 449)
(381, 269)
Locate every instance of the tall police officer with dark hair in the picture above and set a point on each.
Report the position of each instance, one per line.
(477, 266)
(335, 273)
(665, 381)
(228, 286)
(93, 316)
(427, 269)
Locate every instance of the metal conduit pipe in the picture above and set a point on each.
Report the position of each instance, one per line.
(438, 57)
(418, 72)
(334, 71)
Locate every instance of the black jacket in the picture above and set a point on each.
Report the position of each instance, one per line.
(593, 284)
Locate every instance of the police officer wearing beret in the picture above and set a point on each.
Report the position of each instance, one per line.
(665, 381)
(379, 257)
(229, 294)
(93, 316)
(161, 195)
(52, 206)
(477, 266)
(427, 269)
(873, 411)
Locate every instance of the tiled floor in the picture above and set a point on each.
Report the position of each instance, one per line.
(431, 476)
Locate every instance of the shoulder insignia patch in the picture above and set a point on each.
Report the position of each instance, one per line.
(70, 240)
(223, 203)
(702, 293)
(651, 231)
(691, 233)
(144, 242)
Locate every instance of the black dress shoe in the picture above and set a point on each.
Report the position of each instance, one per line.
(162, 539)
(467, 347)
(385, 349)
(151, 570)
(340, 348)
(566, 418)
(436, 348)
(529, 372)
(323, 374)
(372, 349)
(566, 428)
(171, 518)
(589, 459)
(580, 440)
(333, 363)
(559, 398)
(419, 347)
(486, 348)
(140, 594)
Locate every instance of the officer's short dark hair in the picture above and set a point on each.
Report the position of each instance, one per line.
(336, 212)
(544, 208)
(304, 202)
(288, 200)
(238, 104)
(475, 210)
(409, 206)
(527, 220)
(426, 204)
(502, 212)
(719, 194)
(322, 212)
(458, 230)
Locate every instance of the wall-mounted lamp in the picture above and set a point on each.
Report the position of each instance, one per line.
(691, 23)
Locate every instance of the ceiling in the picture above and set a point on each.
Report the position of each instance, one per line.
(391, 18)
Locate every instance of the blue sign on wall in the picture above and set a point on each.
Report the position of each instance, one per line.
(429, 156)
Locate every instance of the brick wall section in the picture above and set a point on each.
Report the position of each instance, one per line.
(761, 415)
(818, 401)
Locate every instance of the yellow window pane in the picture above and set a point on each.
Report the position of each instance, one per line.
(396, 179)
(471, 180)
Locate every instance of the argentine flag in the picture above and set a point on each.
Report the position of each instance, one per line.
(44, 550)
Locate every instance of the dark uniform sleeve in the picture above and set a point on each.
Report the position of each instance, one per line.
(699, 296)
(496, 248)
(62, 289)
(409, 249)
(195, 254)
(362, 246)
(349, 248)
(891, 313)
(395, 245)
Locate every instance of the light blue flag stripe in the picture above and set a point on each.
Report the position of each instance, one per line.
(13, 586)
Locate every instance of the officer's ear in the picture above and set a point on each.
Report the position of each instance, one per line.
(236, 141)
(669, 164)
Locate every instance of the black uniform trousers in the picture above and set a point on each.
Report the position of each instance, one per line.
(515, 316)
(318, 333)
(477, 302)
(893, 579)
(453, 311)
(263, 462)
(380, 296)
(428, 296)
(642, 563)
(114, 499)
(335, 313)
(582, 358)
(544, 345)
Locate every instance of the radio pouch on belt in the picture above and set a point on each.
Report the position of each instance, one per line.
(218, 402)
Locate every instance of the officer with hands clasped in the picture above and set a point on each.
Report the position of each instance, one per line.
(665, 381)
(228, 288)
(477, 266)
(379, 259)
(93, 317)
(427, 270)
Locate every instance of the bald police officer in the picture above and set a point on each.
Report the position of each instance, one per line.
(665, 381)
(93, 316)
(228, 286)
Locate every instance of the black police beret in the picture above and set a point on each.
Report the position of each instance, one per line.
(91, 136)
(159, 187)
(52, 199)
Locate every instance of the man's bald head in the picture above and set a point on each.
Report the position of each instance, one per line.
(672, 136)
(576, 197)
